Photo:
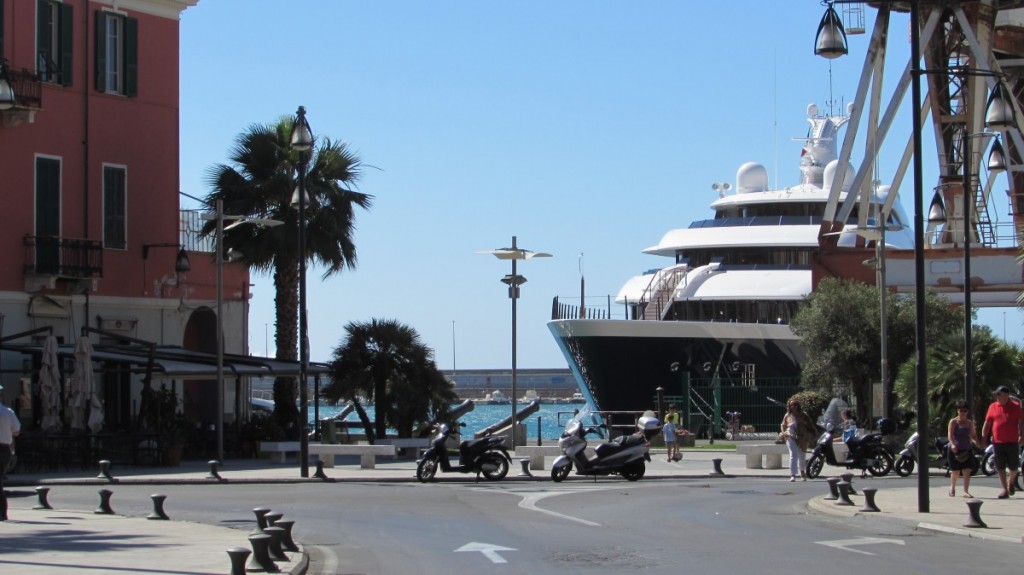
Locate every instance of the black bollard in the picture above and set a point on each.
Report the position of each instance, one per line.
(869, 500)
(43, 492)
(261, 519)
(271, 518)
(214, 474)
(525, 462)
(848, 477)
(104, 508)
(238, 556)
(718, 468)
(320, 470)
(105, 471)
(158, 507)
(286, 538)
(261, 560)
(844, 494)
(974, 510)
(276, 550)
(833, 489)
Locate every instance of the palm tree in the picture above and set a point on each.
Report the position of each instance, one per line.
(385, 362)
(259, 182)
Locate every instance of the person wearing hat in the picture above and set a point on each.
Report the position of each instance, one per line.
(1003, 421)
(9, 429)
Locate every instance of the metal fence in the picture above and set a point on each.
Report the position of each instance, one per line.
(726, 409)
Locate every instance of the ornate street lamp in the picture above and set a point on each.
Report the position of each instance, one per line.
(302, 142)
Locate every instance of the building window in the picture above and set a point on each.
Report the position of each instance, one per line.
(115, 206)
(54, 41)
(117, 58)
(47, 216)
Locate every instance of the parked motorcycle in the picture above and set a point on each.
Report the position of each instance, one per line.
(486, 456)
(988, 464)
(867, 453)
(907, 459)
(625, 455)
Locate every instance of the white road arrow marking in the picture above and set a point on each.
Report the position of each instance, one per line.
(490, 551)
(847, 544)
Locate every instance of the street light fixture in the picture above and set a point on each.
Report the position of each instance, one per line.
(220, 216)
(7, 96)
(513, 281)
(302, 142)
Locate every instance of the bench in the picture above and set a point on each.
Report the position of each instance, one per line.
(771, 452)
(537, 453)
(279, 450)
(412, 444)
(367, 453)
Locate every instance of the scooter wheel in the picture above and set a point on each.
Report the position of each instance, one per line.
(904, 466)
(634, 471)
(814, 465)
(559, 474)
(498, 473)
(426, 469)
(988, 465)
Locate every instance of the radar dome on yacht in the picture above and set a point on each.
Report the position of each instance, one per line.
(830, 175)
(812, 110)
(751, 177)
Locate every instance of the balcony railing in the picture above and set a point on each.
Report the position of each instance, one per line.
(71, 258)
(28, 89)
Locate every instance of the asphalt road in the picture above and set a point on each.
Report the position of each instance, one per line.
(757, 526)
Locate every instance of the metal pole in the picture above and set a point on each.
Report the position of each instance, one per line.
(884, 321)
(968, 194)
(303, 341)
(514, 294)
(922, 366)
(220, 331)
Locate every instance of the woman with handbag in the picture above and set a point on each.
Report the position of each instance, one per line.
(962, 437)
(796, 428)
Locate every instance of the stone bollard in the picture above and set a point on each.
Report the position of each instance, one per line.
(848, 477)
(105, 471)
(718, 468)
(869, 500)
(261, 519)
(833, 483)
(286, 538)
(974, 509)
(320, 470)
(844, 494)
(261, 560)
(238, 556)
(525, 462)
(43, 493)
(104, 508)
(214, 474)
(272, 518)
(275, 548)
(158, 507)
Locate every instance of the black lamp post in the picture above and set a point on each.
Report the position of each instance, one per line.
(302, 141)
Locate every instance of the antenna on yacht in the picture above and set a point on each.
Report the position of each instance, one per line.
(721, 188)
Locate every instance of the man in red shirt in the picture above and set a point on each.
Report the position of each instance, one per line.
(1003, 421)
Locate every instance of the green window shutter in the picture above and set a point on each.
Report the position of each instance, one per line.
(101, 52)
(131, 57)
(43, 38)
(114, 208)
(67, 41)
(1, 28)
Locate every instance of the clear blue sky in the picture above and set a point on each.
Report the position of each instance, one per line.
(580, 126)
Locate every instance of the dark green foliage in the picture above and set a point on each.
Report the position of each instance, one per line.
(385, 362)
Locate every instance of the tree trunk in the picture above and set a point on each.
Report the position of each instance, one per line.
(366, 421)
(286, 302)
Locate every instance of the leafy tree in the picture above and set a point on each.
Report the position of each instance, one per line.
(995, 363)
(839, 327)
(259, 183)
(385, 362)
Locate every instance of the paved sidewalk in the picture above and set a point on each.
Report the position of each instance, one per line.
(62, 541)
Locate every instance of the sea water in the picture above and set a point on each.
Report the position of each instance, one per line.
(552, 417)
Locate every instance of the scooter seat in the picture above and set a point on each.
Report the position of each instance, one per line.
(855, 442)
(618, 444)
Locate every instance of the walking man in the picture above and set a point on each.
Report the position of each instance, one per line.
(1003, 421)
(9, 429)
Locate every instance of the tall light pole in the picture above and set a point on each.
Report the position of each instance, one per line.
(515, 253)
(219, 216)
(302, 141)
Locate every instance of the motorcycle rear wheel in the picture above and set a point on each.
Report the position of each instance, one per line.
(988, 465)
(634, 471)
(559, 474)
(883, 462)
(426, 469)
(498, 473)
(814, 465)
(904, 466)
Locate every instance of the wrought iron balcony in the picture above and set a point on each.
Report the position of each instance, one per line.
(68, 258)
(28, 97)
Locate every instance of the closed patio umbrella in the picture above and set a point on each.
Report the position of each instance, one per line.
(83, 390)
(49, 387)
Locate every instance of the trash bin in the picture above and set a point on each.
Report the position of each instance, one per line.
(328, 430)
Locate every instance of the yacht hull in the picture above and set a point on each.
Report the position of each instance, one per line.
(620, 364)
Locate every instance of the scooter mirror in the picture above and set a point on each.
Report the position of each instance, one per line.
(462, 424)
(829, 426)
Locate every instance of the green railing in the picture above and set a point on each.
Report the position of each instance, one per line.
(712, 406)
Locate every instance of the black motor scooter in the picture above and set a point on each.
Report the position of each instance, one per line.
(867, 453)
(486, 456)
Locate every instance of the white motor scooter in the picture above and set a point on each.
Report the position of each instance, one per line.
(625, 455)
